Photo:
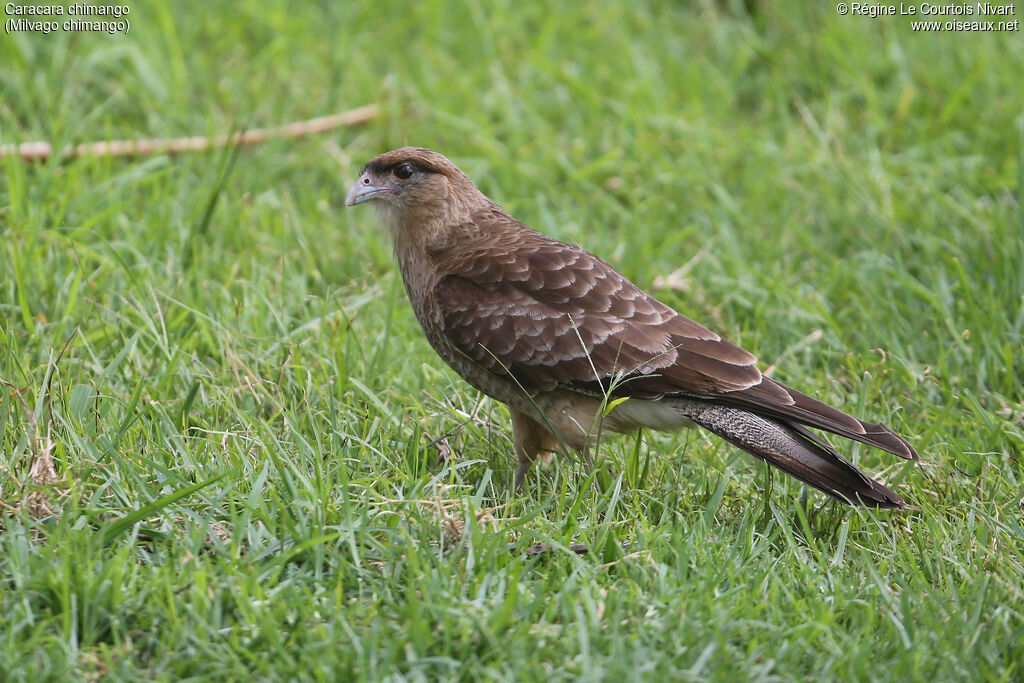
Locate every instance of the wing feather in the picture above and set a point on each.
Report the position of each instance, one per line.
(551, 314)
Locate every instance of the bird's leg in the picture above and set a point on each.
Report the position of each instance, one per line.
(585, 451)
(530, 440)
(521, 470)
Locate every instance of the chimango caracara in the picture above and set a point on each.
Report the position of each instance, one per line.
(553, 332)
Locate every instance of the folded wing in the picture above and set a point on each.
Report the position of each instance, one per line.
(553, 315)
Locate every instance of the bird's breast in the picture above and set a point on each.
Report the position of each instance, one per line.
(420, 277)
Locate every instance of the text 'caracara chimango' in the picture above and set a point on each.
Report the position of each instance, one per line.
(554, 332)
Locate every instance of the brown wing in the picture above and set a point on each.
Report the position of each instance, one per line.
(552, 314)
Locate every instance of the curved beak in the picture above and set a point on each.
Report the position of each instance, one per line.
(363, 190)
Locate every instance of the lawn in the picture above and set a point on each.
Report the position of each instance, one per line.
(260, 469)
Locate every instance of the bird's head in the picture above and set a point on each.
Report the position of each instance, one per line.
(413, 186)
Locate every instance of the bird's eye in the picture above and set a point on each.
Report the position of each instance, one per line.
(404, 171)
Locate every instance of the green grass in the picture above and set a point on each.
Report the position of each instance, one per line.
(241, 409)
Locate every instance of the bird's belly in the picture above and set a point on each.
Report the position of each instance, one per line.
(662, 415)
(576, 418)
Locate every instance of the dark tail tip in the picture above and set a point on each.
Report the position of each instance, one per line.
(880, 436)
(877, 496)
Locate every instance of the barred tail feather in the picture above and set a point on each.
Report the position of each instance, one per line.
(792, 449)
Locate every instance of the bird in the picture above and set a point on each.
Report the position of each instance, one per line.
(558, 335)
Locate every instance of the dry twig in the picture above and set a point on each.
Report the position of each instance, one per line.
(41, 151)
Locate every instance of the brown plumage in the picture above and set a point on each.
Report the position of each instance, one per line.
(551, 330)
